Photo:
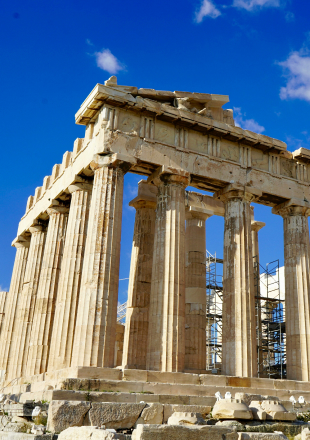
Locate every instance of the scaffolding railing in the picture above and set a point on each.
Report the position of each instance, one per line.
(121, 313)
(270, 321)
(214, 287)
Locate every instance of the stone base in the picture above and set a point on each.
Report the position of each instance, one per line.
(115, 384)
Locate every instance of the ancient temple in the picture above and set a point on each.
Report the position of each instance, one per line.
(60, 316)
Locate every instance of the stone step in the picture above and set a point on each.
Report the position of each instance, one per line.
(95, 396)
(181, 391)
(148, 383)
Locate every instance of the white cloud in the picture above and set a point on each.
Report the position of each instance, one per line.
(107, 61)
(246, 124)
(207, 9)
(89, 42)
(250, 5)
(297, 70)
(289, 17)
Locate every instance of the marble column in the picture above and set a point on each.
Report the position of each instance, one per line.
(26, 306)
(255, 227)
(22, 248)
(239, 356)
(297, 290)
(42, 323)
(70, 278)
(166, 337)
(94, 342)
(139, 289)
(3, 298)
(195, 290)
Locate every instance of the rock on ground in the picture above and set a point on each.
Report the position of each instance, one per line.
(231, 409)
(115, 415)
(152, 414)
(179, 432)
(186, 418)
(90, 432)
(247, 397)
(170, 409)
(64, 414)
(261, 436)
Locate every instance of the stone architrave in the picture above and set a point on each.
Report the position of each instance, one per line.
(95, 333)
(195, 290)
(297, 290)
(26, 306)
(239, 334)
(44, 311)
(70, 278)
(166, 337)
(137, 315)
(22, 248)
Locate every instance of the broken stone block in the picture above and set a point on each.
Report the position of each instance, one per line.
(231, 409)
(115, 415)
(90, 432)
(22, 436)
(247, 397)
(19, 409)
(64, 414)
(232, 424)
(152, 414)
(186, 418)
(262, 436)
(305, 434)
(181, 432)
(258, 412)
(38, 429)
(170, 409)
(274, 410)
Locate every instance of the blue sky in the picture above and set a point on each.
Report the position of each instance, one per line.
(53, 54)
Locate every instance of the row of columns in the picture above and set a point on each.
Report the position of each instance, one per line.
(63, 297)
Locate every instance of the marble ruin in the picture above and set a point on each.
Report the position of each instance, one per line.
(60, 314)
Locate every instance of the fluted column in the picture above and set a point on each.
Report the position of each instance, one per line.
(239, 357)
(22, 249)
(137, 315)
(70, 278)
(25, 310)
(166, 337)
(297, 290)
(44, 310)
(3, 298)
(255, 227)
(94, 342)
(195, 290)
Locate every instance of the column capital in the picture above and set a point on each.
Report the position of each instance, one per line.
(58, 207)
(198, 213)
(37, 228)
(169, 175)
(257, 226)
(117, 160)
(235, 191)
(80, 186)
(147, 196)
(292, 208)
(21, 241)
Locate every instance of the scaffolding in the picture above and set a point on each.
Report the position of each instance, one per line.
(269, 318)
(270, 321)
(121, 313)
(214, 285)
